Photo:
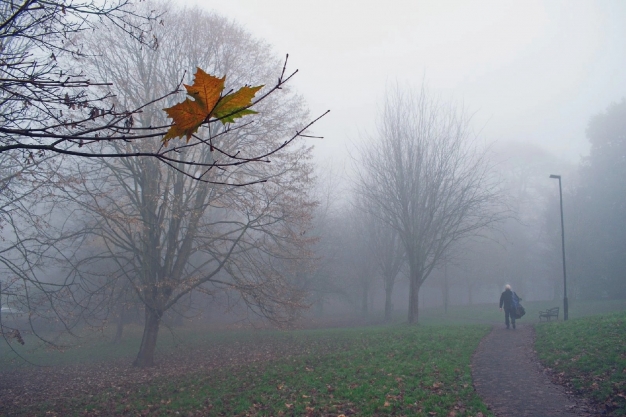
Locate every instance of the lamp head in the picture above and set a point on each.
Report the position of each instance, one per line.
(555, 176)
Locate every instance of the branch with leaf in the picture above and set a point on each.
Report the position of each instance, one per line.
(50, 105)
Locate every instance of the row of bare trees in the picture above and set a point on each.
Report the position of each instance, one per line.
(512, 229)
(423, 187)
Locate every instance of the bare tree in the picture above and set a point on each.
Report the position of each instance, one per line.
(53, 104)
(184, 234)
(156, 227)
(47, 106)
(428, 179)
(24, 228)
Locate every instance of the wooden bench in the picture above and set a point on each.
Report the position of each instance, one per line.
(549, 313)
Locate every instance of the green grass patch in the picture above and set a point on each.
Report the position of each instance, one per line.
(375, 371)
(90, 346)
(96, 346)
(590, 354)
(490, 313)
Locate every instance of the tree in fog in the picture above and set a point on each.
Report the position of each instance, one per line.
(359, 257)
(23, 229)
(382, 253)
(55, 104)
(48, 106)
(595, 213)
(355, 251)
(389, 255)
(427, 178)
(171, 230)
(324, 281)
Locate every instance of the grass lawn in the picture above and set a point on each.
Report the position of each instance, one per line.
(396, 370)
(373, 370)
(589, 354)
(95, 346)
(489, 313)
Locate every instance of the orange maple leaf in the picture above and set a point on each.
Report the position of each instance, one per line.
(187, 116)
(206, 89)
(207, 103)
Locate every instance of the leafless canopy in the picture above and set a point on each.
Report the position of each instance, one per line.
(425, 175)
(46, 104)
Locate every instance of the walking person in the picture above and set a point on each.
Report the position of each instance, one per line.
(506, 301)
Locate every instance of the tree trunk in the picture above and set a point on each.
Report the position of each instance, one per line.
(119, 327)
(388, 305)
(365, 299)
(446, 288)
(413, 300)
(145, 357)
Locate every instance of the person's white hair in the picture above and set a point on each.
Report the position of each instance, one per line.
(507, 287)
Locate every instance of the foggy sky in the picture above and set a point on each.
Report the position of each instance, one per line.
(533, 71)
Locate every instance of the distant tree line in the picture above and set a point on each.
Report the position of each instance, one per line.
(595, 213)
(523, 247)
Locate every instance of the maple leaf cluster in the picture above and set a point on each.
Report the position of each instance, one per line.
(208, 103)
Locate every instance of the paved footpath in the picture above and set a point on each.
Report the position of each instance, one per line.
(509, 378)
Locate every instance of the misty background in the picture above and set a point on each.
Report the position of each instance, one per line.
(479, 104)
(533, 72)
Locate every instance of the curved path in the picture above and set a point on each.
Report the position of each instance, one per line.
(509, 378)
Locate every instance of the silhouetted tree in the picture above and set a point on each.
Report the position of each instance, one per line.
(188, 224)
(428, 179)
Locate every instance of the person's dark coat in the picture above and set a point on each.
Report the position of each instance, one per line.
(506, 299)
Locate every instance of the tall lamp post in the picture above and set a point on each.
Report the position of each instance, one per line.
(563, 248)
